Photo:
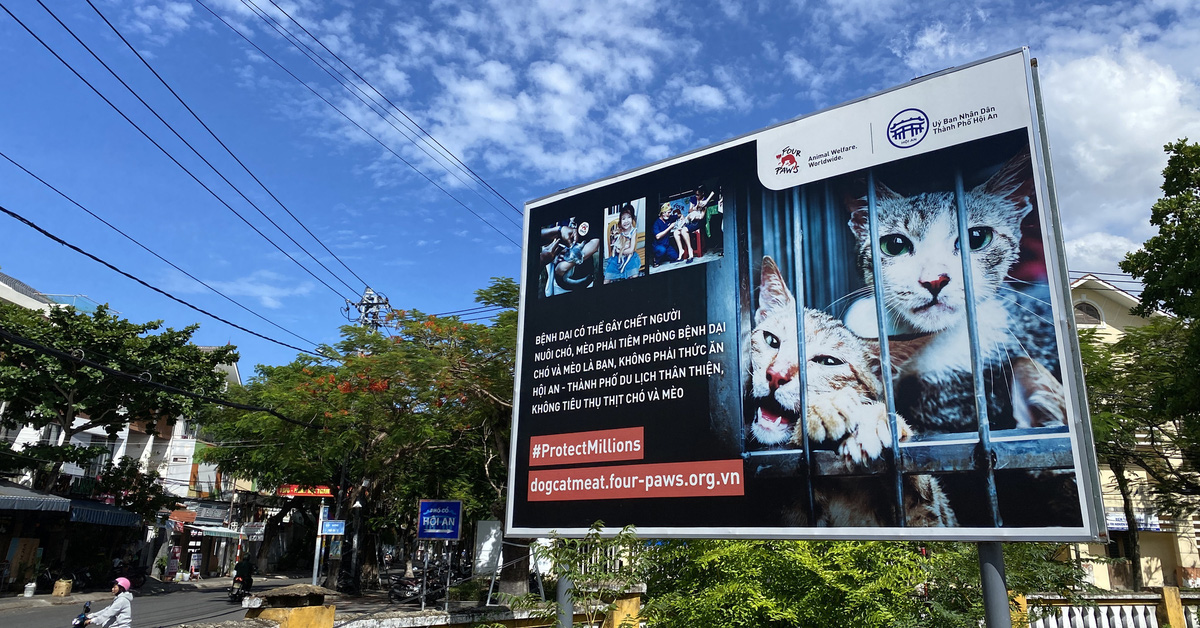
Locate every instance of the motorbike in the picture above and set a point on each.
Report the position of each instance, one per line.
(81, 619)
(237, 591)
(405, 590)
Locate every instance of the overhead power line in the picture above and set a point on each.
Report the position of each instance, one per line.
(155, 254)
(36, 346)
(185, 142)
(471, 310)
(218, 140)
(351, 120)
(59, 240)
(411, 126)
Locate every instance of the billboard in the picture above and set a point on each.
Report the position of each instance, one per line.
(779, 336)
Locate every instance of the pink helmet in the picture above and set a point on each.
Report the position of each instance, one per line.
(123, 582)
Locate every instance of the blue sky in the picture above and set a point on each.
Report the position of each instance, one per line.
(533, 96)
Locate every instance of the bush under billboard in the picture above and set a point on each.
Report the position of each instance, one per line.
(702, 339)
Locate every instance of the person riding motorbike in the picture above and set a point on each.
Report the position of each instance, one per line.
(119, 614)
(244, 569)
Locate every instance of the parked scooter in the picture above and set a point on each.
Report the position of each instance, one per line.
(408, 590)
(404, 589)
(81, 620)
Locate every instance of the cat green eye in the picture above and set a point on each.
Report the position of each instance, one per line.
(895, 244)
(827, 360)
(978, 237)
(772, 339)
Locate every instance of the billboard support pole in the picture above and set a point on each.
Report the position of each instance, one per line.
(995, 591)
(562, 596)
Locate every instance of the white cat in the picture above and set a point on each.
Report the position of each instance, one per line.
(924, 292)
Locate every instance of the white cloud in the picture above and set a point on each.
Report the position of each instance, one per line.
(1109, 116)
(170, 16)
(704, 97)
(935, 47)
(268, 287)
(1097, 252)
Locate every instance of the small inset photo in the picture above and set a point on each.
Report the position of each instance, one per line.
(625, 241)
(569, 257)
(688, 229)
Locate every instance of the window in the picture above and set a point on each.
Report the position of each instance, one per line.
(1087, 314)
(97, 465)
(49, 434)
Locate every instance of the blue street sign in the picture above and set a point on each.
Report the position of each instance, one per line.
(439, 520)
(333, 527)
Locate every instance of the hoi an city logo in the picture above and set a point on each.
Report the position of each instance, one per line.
(789, 161)
(908, 128)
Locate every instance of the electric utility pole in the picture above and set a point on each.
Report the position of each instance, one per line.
(370, 311)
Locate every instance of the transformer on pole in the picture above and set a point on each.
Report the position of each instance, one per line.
(370, 311)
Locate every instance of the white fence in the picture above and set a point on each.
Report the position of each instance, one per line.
(1111, 610)
(1106, 616)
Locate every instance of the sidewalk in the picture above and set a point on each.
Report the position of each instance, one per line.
(152, 587)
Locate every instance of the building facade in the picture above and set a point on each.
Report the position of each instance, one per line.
(1168, 546)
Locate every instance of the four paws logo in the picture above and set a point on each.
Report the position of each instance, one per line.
(789, 162)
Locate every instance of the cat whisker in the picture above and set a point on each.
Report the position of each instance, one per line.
(853, 295)
(1020, 345)
(1018, 304)
(1011, 279)
(1025, 295)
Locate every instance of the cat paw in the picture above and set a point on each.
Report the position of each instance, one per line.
(829, 416)
(872, 435)
(861, 447)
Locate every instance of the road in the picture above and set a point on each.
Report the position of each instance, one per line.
(171, 609)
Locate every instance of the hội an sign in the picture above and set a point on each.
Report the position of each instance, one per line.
(439, 519)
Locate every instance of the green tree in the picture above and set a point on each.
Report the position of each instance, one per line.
(42, 390)
(778, 584)
(1114, 427)
(133, 489)
(1135, 391)
(837, 583)
(951, 592)
(420, 412)
(1169, 268)
(1167, 263)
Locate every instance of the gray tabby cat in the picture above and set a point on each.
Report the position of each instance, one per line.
(843, 412)
(924, 292)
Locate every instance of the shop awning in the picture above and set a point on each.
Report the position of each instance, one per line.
(16, 497)
(217, 531)
(85, 511)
